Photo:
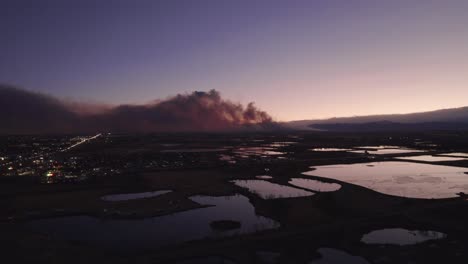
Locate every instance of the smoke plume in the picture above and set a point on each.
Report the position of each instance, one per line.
(25, 112)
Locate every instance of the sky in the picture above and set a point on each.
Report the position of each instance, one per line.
(294, 59)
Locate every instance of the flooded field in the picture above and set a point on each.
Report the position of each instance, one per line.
(268, 190)
(280, 144)
(400, 236)
(257, 151)
(430, 158)
(405, 179)
(314, 185)
(264, 177)
(379, 147)
(385, 151)
(330, 149)
(134, 234)
(455, 154)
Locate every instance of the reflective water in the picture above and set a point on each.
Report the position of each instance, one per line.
(130, 234)
(257, 151)
(400, 236)
(455, 154)
(406, 179)
(132, 196)
(379, 147)
(387, 151)
(264, 177)
(227, 158)
(430, 158)
(279, 144)
(268, 190)
(335, 256)
(314, 185)
(330, 149)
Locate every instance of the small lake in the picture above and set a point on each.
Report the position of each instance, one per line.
(379, 147)
(330, 149)
(257, 151)
(264, 177)
(388, 151)
(280, 144)
(400, 236)
(134, 234)
(405, 179)
(227, 158)
(430, 158)
(269, 190)
(314, 185)
(132, 196)
(455, 154)
(335, 256)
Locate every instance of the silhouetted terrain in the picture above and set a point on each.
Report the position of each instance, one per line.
(182, 197)
(392, 126)
(445, 119)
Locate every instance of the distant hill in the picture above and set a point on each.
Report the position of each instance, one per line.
(445, 119)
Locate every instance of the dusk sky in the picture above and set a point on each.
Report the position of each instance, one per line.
(294, 59)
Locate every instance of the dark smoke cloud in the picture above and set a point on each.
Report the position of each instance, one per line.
(25, 112)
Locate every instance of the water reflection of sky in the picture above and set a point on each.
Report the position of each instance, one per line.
(314, 185)
(455, 154)
(269, 190)
(152, 232)
(387, 151)
(330, 149)
(430, 158)
(406, 179)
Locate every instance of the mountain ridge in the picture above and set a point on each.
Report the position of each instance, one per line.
(448, 118)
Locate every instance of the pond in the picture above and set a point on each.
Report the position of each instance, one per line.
(330, 149)
(379, 147)
(314, 185)
(134, 234)
(279, 144)
(400, 236)
(257, 151)
(387, 151)
(264, 177)
(405, 179)
(269, 190)
(430, 158)
(455, 154)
